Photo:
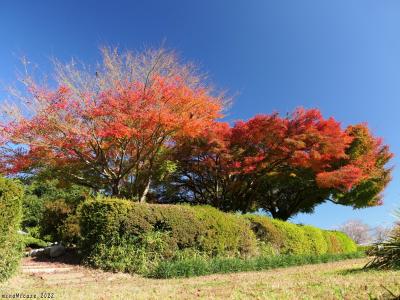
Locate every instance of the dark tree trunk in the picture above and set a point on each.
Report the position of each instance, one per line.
(115, 188)
(280, 215)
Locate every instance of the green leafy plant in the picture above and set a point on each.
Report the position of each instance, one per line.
(10, 220)
(121, 235)
(199, 266)
(32, 242)
(129, 254)
(54, 215)
(49, 209)
(204, 229)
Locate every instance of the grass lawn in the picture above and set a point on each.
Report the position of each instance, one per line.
(337, 280)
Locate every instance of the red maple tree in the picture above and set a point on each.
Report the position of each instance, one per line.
(284, 165)
(110, 136)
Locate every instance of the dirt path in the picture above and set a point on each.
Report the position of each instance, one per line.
(62, 271)
(54, 273)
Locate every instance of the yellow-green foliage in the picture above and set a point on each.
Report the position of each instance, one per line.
(204, 229)
(332, 241)
(288, 238)
(122, 235)
(10, 219)
(224, 233)
(316, 239)
(295, 240)
(347, 244)
(266, 232)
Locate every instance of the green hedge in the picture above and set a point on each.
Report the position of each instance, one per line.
(316, 240)
(289, 238)
(121, 235)
(340, 242)
(10, 218)
(203, 229)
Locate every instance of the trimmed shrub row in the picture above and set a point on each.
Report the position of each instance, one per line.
(204, 229)
(10, 217)
(289, 238)
(120, 235)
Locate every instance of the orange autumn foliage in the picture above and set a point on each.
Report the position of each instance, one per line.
(103, 139)
(284, 165)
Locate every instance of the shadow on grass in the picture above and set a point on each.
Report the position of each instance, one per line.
(353, 271)
(70, 257)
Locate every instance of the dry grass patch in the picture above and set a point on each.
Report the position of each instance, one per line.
(338, 280)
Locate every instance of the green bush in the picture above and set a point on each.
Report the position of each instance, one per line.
(10, 218)
(132, 255)
(109, 220)
(339, 242)
(122, 235)
(288, 238)
(69, 230)
(316, 240)
(32, 242)
(203, 229)
(60, 222)
(49, 210)
(34, 231)
(224, 234)
(266, 232)
(54, 215)
(347, 244)
(294, 240)
(331, 242)
(32, 211)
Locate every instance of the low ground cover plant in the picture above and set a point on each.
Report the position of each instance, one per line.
(199, 266)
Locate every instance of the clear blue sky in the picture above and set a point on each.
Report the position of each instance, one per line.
(340, 56)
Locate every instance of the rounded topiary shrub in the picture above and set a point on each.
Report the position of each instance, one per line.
(333, 243)
(122, 235)
(101, 221)
(10, 218)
